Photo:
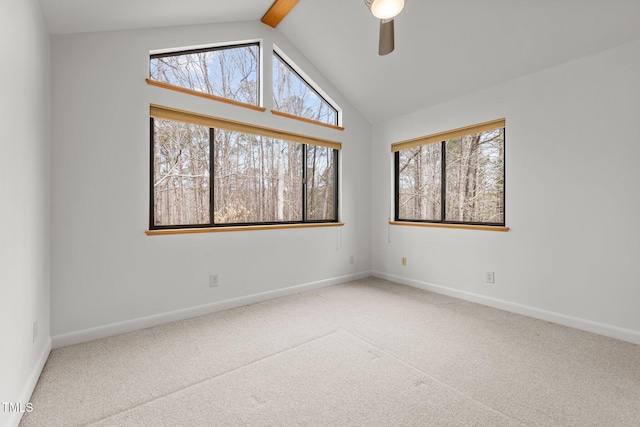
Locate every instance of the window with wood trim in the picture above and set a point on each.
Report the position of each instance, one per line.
(212, 172)
(455, 177)
(294, 95)
(229, 72)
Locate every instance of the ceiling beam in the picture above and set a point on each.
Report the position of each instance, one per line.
(278, 10)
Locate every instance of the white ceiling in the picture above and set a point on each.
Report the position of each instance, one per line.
(444, 48)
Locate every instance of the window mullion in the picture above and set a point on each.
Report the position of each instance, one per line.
(212, 135)
(152, 175)
(443, 180)
(397, 185)
(305, 174)
(336, 180)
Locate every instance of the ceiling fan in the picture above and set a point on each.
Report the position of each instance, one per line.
(385, 11)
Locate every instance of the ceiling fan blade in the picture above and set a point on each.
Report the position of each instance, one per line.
(387, 39)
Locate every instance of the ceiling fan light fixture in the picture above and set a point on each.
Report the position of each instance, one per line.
(385, 9)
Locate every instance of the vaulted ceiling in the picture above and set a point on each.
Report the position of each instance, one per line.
(444, 48)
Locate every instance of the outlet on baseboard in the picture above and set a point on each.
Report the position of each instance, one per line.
(490, 278)
(404, 261)
(352, 259)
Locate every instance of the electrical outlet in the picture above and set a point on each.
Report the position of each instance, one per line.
(35, 330)
(352, 259)
(491, 278)
(404, 261)
(213, 280)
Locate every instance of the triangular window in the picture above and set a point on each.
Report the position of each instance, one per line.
(296, 96)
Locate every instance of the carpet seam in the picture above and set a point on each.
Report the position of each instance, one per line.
(214, 377)
(442, 383)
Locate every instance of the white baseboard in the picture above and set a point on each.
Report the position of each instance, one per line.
(549, 316)
(158, 319)
(30, 385)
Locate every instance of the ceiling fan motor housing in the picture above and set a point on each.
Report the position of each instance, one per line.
(385, 9)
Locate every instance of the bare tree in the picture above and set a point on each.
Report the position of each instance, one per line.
(255, 178)
(474, 173)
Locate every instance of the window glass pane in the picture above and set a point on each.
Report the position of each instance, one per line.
(475, 178)
(419, 175)
(257, 179)
(229, 72)
(293, 95)
(181, 173)
(320, 183)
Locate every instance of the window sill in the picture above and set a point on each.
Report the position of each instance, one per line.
(303, 119)
(459, 226)
(240, 228)
(204, 95)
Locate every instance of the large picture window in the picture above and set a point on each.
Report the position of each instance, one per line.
(208, 172)
(455, 177)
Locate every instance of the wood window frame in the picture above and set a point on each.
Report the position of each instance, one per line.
(277, 55)
(169, 113)
(442, 137)
(212, 122)
(206, 95)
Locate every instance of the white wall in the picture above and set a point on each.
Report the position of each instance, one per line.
(107, 275)
(24, 194)
(572, 202)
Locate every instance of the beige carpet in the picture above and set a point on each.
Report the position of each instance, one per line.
(363, 353)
